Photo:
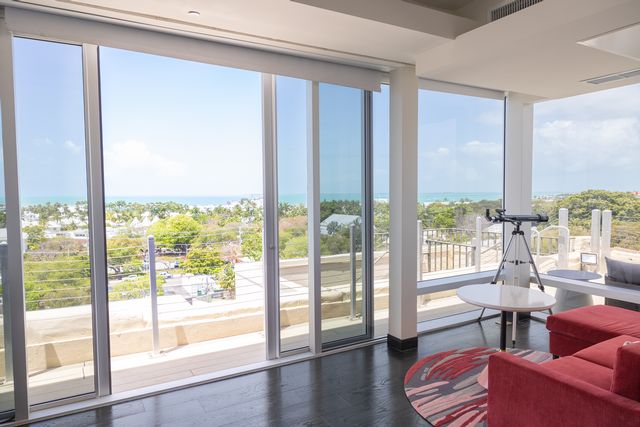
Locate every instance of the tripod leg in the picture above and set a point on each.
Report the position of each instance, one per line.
(503, 260)
(514, 321)
(481, 314)
(533, 264)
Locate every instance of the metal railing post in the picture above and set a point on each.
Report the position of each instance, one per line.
(474, 253)
(478, 254)
(563, 243)
(352, 247)
(606, 237)
(6, 314)
(155, 329)
(595, 231)
(420, 243)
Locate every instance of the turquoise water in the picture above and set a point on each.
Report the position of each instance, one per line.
(295, 199)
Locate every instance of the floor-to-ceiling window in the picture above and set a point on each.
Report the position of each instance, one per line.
(291, 129)
(53, 191)
(342, 212)
(183, 172)
(585, 162)
(460, 174)
(181, 145)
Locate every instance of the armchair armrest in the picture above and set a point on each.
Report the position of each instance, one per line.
(526, 394)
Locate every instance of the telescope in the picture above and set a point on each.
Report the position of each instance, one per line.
(514, 219)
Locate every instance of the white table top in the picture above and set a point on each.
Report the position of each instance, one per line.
(506, 298)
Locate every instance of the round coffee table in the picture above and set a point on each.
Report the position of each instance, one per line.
(506, 299)
(570, 299)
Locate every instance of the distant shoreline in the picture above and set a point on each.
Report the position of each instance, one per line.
(294, 199)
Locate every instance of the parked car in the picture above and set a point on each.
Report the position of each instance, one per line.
(165, 275)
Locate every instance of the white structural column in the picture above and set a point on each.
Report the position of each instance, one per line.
(518, 153)
(403, 198)
(15, 307)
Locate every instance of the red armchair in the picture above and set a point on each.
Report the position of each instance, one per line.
(522, 393)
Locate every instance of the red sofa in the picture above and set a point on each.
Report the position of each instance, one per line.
(596, 383)
(574, 330)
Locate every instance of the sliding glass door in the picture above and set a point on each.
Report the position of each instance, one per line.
(183, 188)
(141, 205)
(293, 240)
(344, 222)
(53, 191)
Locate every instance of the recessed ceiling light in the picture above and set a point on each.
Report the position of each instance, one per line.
(193, 13)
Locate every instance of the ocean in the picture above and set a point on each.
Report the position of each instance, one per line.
(294, 199)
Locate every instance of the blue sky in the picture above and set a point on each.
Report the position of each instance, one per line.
(459, 143)
(174, 127)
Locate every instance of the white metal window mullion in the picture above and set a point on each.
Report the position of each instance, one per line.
(270, 226)
(313, 214)
(15, 307)
(367, 224)
(97, 234)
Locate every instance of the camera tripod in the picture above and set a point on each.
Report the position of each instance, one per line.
(516, 235)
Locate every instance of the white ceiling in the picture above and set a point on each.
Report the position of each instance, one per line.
(535, 51)
(277, 23)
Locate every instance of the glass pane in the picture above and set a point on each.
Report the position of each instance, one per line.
(183, 163)
(7, 404)
(57, 271)
(586, 151)
(291, 105)
(341, 204)
(381, 211)
(460, 174)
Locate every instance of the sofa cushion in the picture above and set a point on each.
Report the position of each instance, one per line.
(626, 372)
(582, 370)
(604, 353)
(623, 272)
(596, 323)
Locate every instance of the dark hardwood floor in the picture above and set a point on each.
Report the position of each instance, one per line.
(361, 387)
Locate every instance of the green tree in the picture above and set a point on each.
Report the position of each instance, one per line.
(203, 260)
(125, 254)
(35, 236)
(227, 277)
(252, 243)
(178, 230)
(295, 247)
(207, 260)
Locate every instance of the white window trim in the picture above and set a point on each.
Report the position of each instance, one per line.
(456, 89)
(22, 22)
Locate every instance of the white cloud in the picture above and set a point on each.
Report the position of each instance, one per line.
(72, 146)
(574, 154)
(478, 148)
(491, 118)
(133, 163)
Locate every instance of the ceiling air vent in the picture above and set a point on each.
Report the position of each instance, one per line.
(612, 77)
(510, 8)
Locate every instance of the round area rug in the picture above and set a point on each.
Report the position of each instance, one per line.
(444, 387)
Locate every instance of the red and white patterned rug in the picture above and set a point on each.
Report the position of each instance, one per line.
(443, 387)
